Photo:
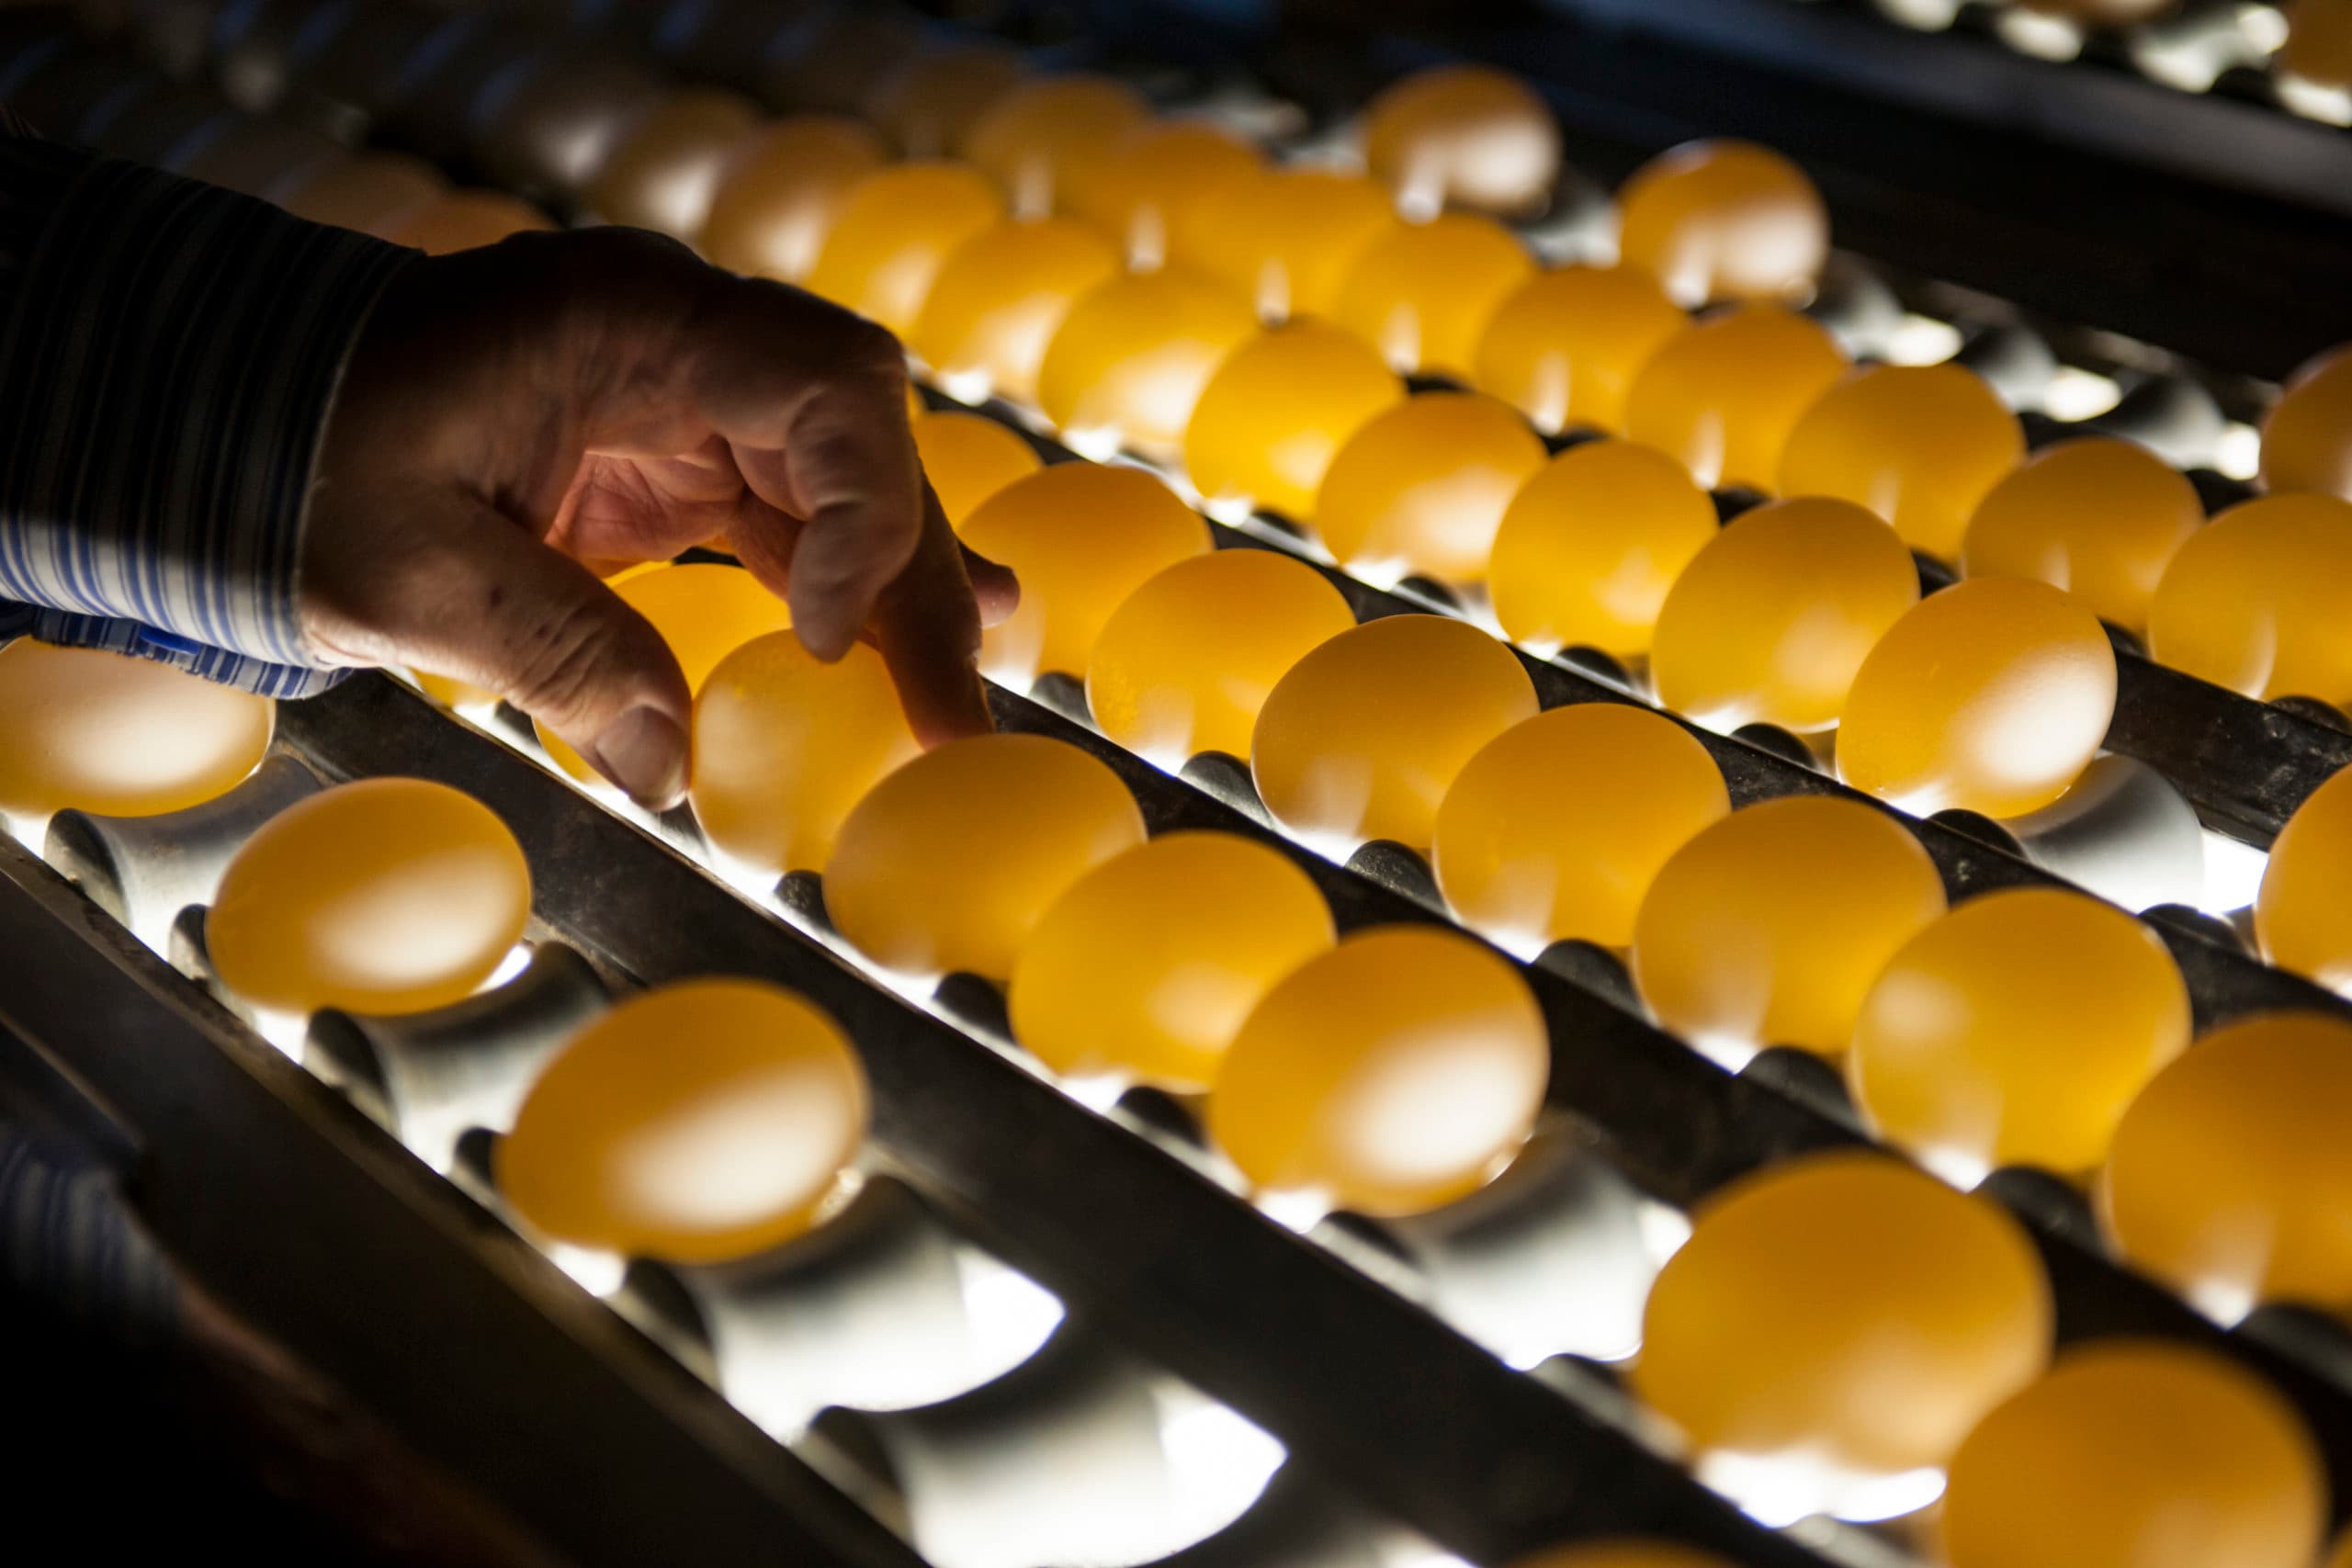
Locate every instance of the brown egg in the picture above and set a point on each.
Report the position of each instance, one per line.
(665, 169)
(464, 220)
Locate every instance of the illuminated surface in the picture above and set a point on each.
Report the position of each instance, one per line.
(664, 171)
(2319, 43)
(1365, 736)
(368, 191)
(1277, 411)
(1723, 396)
(1148, 965)
(1557, 827)
(1768, 928)
(452, 693)
(2137, 1455)
(780, 193)
(1422, 487)
(1036, 137)
(388, 895)
(704, 612)
(86, 730)
(1131, 359)
(1588, 547)
(894, 231)
(2100, 517)
(1992, 695)
(1723, 220)
(699, 1123)
(968, 457)
(1423, 294)
(1155, 172)
(1283, 239)
(1772, 619)
(2254, 600)
(1919, 445)
(2302, 915)
(2231, 1176)
(2307, 439)
(1464, 134)
(1186, 662)
(1625, 1553)
(1845, 1316)
(464, 220)
(2015, 1030)
(1390, 1074)
(1566, 347)
(1080, 536)
(784, 746)
(999, 299)
(949, 862)
(928, 105)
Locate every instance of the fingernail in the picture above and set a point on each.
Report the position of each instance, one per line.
(644, 751)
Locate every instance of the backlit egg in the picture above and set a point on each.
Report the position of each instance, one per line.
(86, 730)
(664, 170)
(783, 189)
(1422, 294)
(2100, 517)
(1467, 135)
(464, 221)
(1143, 191)
(999, 300)
(2302, 915)
(1724, 219)
(1919, 445)
(1275, 413)
(2254, 600)
(1130, 360)
(928, 104)
(1036, 137)
(1565, 346)
(2307, 439)
(968, 457)
(370, 192)
(895, 231)
(1724, 395)
(1422, 487)
(1283, 239)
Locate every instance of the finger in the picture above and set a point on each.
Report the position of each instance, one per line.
(996, 589)
(927, 629)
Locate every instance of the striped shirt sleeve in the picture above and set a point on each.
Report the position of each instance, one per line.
(169, 352)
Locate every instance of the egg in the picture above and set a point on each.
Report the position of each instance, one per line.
(666, 166)
(949, 862)
(928, 104)
(1565, 346)
(1589, 548)
(1144, 190)
(1283, 239)
(82, 729)
(782, 191)
(1769, 927)
(1275, 413)
(2301, 917)
(464, 221)
(1724, 395)
(2318, 46)
(385, 895)
(1423, 293)
(1186, 662)
(1364, 735)
(1772, 619)
(1034, 138)
(370, 192)
(2100, 517)
(1422, 487)
(1395, 1072)
(2254, 600)
(1555, 829)
(1724, 219)
(1147, 966)
(999, 300)
(1919, 445)
(2307, 436)
(1131, 360)
(699, 1123)
(1467, 135)
(968, 457)
(893, 233)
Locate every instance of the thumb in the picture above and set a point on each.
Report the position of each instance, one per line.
(467, 593)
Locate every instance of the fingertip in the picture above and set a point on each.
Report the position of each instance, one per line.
(958, 711)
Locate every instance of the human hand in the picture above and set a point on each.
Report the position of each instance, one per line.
(513, 413)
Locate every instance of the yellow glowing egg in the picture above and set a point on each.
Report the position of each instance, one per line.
(969, 457)
(2318, 47)
(1395, 1072)
(1565, 345)
(1768, 928)
(1588, 548)
(1919, 445)
(1774, 615)
(1627, 1553)
(2137, 1455)
(2342, 1557)
(1422, 487)
(1897, 1313)
(893, 234)
(949, 862)
(928, 105)
(2230, 1177)
(704, 612)
(1423, 294)
(1464, 135)
(370, 192)
(2254, 600)
(1277, 411)
(464, 221)
(2098, 517)
(1129, 364)
(2015, 1030)
(699, 1122)
(664, 170)
(999, 300)
(1142, 191)
(1993, 696)
(1038, 137)
(454, 694)
(2307, 438)
(1284, 239)
(386, 896)
(1081, 538)
(1364, 737)
(1186, 662)
(1724, 395)
(1148, 965)
(83, 730)
(2302, 916)
(1723, 220)
(782, 192)
(784, 745)
(1557, 827)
